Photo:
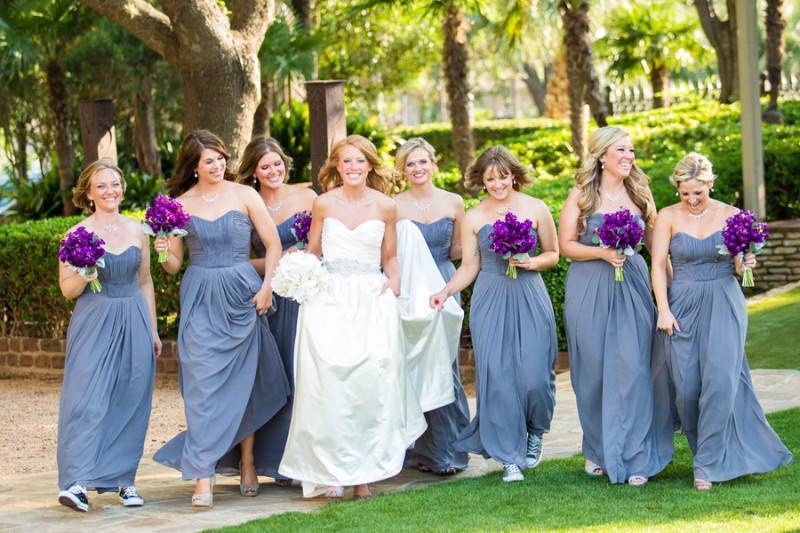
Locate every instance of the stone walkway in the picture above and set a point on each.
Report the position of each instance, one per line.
(28, 502)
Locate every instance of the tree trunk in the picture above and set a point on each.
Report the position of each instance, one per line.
(263, 111)
(305, 12)
(583, 80)
(537, 86)
(557, 98)
(58, 99)
(722, 36)
(144, 129)
(658, 82)
(456, 58)
(774, 53)
(213, 48)
(21, 149)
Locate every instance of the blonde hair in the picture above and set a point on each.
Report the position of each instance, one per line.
(501, 160)
(84, 183)
(379, 178)
(587, 179)
(409, 146)
(255, 150)
(692, 166)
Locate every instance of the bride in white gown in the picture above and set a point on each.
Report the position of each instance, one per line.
(355, 410)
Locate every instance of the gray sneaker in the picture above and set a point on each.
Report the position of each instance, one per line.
(534, 454)
(512, 473)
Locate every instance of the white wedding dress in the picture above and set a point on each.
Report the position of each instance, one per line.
(355, 409)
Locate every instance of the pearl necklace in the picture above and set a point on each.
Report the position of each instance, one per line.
(700, 215)
(615, 197)
(274, 209)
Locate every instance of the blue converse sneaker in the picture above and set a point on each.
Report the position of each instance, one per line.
(75, 498)
(512, 473)
(129, 497)
(534, 455)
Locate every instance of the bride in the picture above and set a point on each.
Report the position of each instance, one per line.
(355, 409)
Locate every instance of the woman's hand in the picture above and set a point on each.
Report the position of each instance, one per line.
(609, 255)
(392, 284)
(263, 299)
(667, 323)
(437, 300)
(161, 244)
(88, 277)
(526, 263)
(157, 346)
(749, 261)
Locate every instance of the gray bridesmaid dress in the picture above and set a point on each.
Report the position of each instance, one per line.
(622, 392)
(514, 337)
(434, 448)
(715, 401)
(108, 380)
(232, 378)
(270, 439)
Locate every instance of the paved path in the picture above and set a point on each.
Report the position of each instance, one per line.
(28, 502)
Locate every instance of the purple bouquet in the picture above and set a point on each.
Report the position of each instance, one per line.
(165, 217)
(621, 231)
(83, 251)
(300, 228)
(743, 233)
(512, 238)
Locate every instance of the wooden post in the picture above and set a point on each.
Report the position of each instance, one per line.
(752, 147)
(97, 131)
(326, 117)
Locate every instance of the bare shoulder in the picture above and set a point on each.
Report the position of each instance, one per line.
(304, 193)
(727, 209)
(131, 223)
(80, 224)
(473, 217)
(386, 203)
(453, 199)
(323, 201)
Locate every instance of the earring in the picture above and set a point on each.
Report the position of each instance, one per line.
(712, 189)
(91, 203)
(676, 193)
(194, 174)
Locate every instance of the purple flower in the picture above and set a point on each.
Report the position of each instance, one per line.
(620, 230)
(743, 233)
(300, 228)
(83, 251)
(165, 217)
(512, 238)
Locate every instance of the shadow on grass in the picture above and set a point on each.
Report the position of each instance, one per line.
(558, 495)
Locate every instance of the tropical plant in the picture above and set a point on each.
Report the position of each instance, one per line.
(774, 51)
(721, 33)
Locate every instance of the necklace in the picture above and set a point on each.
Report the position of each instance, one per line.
(274, 209)
(421, 206)
(614, 197)
(503, 211)
(111, 228)
(699, 215)
(210, 198)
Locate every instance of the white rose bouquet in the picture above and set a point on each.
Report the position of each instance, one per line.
(299, 276)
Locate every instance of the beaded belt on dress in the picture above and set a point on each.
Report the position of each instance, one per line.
(350, 267)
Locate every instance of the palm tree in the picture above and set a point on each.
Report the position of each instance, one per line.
(774, 52)
(652, 39)
(584, 84)
(721, 33)
(45, 29)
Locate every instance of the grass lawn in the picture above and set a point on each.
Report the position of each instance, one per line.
(558, 495)
(773, 337)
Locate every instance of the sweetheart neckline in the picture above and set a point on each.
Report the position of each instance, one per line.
(226, 213)
(696, 238)
(357, 225)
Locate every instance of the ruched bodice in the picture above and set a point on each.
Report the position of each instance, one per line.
(219, 243)
(438, 236)
(120, 275)
(284, 232)
(493, 263)
(696, 259)
(362, 244)
(594, 221)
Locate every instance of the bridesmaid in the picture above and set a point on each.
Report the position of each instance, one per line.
(511, 320)
(610, 324)
(232, 378)
(266, 168)
(702, 320)
(438, 214)
(112, 343)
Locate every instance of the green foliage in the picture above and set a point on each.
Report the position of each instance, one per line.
(288, 51)
(33, 199)
(772, 331)
(31, 302)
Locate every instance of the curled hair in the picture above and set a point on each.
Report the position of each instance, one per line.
(183, 176)
(84, 184)
(255, 150)
(409, 146)
(502, 161)
(379, 178)
(692, 166)
(587, 179)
